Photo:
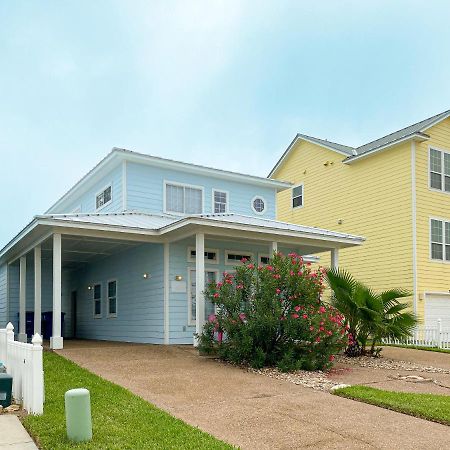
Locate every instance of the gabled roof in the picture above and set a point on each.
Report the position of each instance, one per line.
(118, 155)
(415, 131)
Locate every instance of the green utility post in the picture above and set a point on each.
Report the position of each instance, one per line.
(78, 415)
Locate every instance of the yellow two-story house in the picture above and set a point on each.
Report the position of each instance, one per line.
(395, 191)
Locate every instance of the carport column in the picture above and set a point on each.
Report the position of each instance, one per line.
(334, 258)
(56, 341)
(22, 298)
(37, 289)
(273, 248)
(199, 284)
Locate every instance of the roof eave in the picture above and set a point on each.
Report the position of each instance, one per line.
(418, 137)
(297, 138)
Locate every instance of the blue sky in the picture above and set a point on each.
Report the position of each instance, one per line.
(221, 83)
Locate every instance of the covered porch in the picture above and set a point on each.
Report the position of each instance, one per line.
(135, 277)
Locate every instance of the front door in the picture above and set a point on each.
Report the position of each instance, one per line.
(210, 276)
(73, 310)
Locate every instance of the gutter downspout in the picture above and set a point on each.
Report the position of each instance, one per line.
(414, 223)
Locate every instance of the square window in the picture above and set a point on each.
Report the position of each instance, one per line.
(182, 199)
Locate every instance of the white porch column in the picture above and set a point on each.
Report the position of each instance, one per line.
(22, 298)
(199, 283)
(273, 248)
(56, 341)
(334, 258)
(37, 289)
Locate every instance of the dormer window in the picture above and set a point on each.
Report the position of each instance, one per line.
(104, 197)
(183, 199)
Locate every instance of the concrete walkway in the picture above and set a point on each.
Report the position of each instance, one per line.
(249, 410)
(13, 435)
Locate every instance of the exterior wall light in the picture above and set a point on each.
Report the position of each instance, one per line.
(89, 288)
(178, 278)
(145, 276)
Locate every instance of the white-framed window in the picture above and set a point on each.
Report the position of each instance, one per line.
(211, 276)
(104, 197)
(112, 298)
(297, 196)
(439, 170)
(220, 201)
(183, 198)
(97, 300)
(263, 259)
(211, 255)
(234, 257)
(439, 240)
(258, 205)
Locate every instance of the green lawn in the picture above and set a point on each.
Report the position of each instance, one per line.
(121, 420)
(427, 406)
(418, 347)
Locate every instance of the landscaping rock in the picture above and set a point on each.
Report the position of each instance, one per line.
(12, 408)
(388, 364)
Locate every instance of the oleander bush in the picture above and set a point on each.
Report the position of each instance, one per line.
(273, 315)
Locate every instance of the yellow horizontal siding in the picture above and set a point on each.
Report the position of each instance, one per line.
(432, 276)
(373, 199)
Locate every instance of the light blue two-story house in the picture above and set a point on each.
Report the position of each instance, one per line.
(118, 253)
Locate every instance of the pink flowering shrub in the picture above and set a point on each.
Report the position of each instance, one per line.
(273, 316)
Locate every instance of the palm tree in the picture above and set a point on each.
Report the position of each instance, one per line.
(369, 314)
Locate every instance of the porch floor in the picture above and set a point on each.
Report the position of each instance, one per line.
(247, 409)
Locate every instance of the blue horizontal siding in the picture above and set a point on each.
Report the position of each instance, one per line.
(3, 295)
(140, 306)
(87, 200)
(145, 187)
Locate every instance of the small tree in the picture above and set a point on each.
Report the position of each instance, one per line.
(367, 314)
(273, 316)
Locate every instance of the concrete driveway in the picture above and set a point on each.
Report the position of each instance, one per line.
(249, 410)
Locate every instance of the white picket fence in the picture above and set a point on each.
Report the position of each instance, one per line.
(24, 363)
(425, 337)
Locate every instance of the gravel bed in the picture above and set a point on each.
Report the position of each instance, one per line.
(388, 364)
(316, 380)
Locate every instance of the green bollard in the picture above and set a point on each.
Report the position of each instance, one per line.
(78, 415)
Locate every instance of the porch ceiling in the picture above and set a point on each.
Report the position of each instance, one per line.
(79, 250)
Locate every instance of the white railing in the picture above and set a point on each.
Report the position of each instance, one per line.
(425, 337)
(24, 363)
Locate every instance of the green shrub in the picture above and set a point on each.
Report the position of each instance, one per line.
(273, 316)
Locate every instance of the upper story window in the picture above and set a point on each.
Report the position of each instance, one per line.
(104, 197)
(440, 239)
(439, 170)
(183, 198)
(297, 196)
(220, 199)
(258, 205)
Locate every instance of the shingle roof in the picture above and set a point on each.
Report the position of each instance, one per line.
(339, 147)
(410, 131)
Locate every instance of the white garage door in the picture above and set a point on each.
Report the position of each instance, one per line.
(437, 307)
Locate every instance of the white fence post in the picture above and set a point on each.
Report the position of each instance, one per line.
(37, 391)
(439, 333)
(24, 363)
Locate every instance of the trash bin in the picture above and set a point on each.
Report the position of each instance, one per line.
(47, 324)
(5, 389)
(29, 323)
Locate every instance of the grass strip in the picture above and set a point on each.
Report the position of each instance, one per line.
(121, 420)
(426, 406)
